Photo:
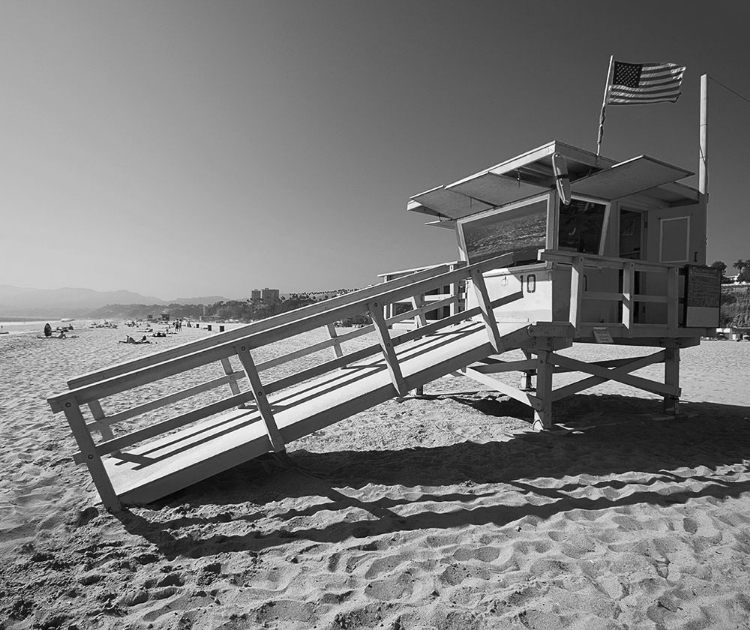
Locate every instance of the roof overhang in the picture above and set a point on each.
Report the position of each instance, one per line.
(532, 174)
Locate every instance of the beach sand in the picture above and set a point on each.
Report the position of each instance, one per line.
(442, 512)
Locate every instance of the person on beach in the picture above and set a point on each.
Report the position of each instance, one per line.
(47, 330)
(129, 339)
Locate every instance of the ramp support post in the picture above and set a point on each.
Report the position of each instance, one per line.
(386, 344)
(526, 383)
(264, 407)
(545, 369)
(485, 305)
(93, 461)
(671, 404)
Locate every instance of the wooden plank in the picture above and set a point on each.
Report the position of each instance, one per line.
(261, 399)
(603, 262)
(576, 291)
(143, 376)
(497, 367)
(544, 373)
(419, 301)
(172, 366)
(287, 324)
(488, 315)
(602, 296)
(229, 371)
(302, 352)
(256, 327)
(168, 400)
(512, 335)
(673, 280)
(614, 375)
(168, 465)
(386, 345)
(671, 403)
(337, 351)
(628, 289)
(516, 394)
(364, 353)
(99, 423)
(93, 461)
(621, 366)
(130, 439)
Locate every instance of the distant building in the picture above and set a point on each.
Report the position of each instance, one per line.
(269, 296)
(255, 295)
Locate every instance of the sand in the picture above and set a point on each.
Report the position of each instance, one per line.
(440, 512)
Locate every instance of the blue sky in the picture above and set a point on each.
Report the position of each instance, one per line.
(194, 148)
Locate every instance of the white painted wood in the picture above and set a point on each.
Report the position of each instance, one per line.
(613, 375)
(243, 352)
(93, 461)
(544, 372)
(386, 344)
(483, 298)
(621, 366)
(235, 389)
(337, 350)
(576, 291)
(523, 397)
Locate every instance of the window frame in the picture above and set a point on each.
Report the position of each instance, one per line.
(605, 223)
(548, 196)
(662, 221)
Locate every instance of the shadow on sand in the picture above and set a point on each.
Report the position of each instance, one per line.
(655, 460)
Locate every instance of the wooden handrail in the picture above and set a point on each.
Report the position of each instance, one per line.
(627, 295)
(604, 262)
(248, 329)
(125, 376)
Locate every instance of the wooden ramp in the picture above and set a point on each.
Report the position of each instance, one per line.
(173, 462)
(135, 455)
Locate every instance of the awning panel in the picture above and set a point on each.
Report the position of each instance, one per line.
(449, 203)
(497, 190)
(628, 178)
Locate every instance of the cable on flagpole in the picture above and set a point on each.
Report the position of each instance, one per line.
(747, 100)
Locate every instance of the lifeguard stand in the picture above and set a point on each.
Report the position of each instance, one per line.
(616, 250)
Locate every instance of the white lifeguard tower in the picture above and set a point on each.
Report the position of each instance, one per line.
(617, 250)
(557, 246)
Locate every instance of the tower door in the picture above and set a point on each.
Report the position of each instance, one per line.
(631, 246)
(631, 234)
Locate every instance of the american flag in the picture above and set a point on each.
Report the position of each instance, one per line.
(644, 83)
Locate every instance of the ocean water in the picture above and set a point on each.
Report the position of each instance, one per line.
(23, 327)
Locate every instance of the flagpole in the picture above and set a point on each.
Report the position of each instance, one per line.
(604, 105)
(703, 165)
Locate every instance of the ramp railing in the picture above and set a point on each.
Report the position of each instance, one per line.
(145, 397)
(626, 293)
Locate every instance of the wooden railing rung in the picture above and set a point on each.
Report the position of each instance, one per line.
(228, 371)
(110, 446)
(152, 405)
(360, 297)
(173, 366)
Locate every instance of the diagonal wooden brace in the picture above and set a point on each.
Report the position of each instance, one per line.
(264, 407)
(483, 297)
(386, 343)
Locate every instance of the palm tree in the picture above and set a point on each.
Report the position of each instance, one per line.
(741, 264)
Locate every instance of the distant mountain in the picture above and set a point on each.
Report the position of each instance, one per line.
(74, 302)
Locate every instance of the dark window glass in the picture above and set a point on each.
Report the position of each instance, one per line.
(581, 224)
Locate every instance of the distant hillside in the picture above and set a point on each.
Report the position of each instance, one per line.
(75, 302)
(207, 299)
(735, 305)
